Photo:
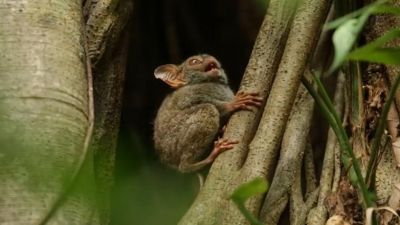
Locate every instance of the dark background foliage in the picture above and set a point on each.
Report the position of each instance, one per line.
(168, 31)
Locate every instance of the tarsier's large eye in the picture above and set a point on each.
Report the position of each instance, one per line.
(194, 61)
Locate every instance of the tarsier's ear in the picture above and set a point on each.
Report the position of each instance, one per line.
(170, 74)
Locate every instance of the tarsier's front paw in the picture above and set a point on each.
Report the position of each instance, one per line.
(222, 145)
(245, 101)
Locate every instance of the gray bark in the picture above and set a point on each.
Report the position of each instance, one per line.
(259, 74)
(108, 45)
(108, 86)
(250, 160)
(49, 174)
(45, 114)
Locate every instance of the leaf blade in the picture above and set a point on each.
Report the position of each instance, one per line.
(250, 189)
(381, 55)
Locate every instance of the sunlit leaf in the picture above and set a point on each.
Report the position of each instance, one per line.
(349, 28)
(343, 40)
(375, 8)
(252, 188)
(341, 20)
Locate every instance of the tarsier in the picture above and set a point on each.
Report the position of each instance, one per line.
(190, 118)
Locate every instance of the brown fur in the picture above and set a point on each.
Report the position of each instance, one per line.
(190, 118)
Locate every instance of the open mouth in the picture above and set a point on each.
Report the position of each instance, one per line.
(211, 66)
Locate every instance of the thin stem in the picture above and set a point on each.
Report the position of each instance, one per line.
(380, 129)
(325, 96)
(335, 122)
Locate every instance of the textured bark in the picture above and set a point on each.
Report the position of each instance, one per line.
(387, 174)
(207, 208)
(45, 114)
(378, 26)
(300, 45)
(109, 46)
(102, 17)
(264, 148)
(49, 174)
(108, 86)
(357, 117)
(211, 205)
(319, 214)
(289, 165)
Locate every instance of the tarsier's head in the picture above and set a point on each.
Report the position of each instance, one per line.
(196, 69)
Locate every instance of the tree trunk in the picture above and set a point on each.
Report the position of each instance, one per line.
(108, 46)
(49, 175)
(256, 153)
(45, 113)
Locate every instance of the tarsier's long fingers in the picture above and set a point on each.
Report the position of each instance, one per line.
(222, 145)
(241, 106)
(253, 96)
(244, 101)
(250, 93)
(249, 101)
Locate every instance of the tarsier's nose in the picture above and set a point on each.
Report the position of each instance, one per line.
(211, 65)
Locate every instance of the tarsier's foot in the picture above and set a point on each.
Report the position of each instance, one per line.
(245, 101)
(220, 146)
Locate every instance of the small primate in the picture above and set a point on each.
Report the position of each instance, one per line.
(190, 118)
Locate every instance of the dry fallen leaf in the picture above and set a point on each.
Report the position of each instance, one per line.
(336, 220)
(393, 203)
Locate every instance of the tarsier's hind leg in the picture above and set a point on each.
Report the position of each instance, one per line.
(200, 130)
(198, 138)
(220, 146)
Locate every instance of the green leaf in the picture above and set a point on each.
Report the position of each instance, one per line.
(341, 20)
(382, 55)
(343, 40)
(349, 28)
(375, 8)
(247, 190)
(374, 51)
(381, 9)
(346, 36)
(326, 106)
(379, 42)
